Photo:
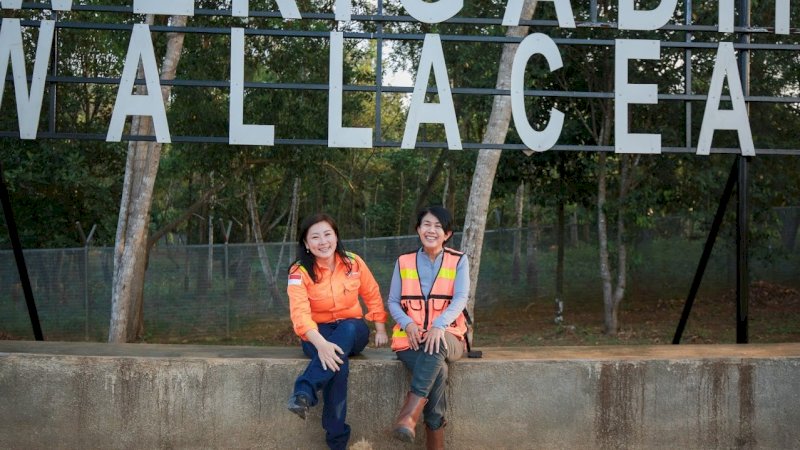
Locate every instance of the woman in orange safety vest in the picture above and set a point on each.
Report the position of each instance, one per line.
(324, 285)
(427, 298)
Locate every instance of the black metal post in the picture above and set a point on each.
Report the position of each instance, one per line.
(712, 237)
(742, 261)
(5, 199)
(742, 219)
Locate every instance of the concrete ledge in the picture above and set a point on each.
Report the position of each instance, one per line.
(86, 395)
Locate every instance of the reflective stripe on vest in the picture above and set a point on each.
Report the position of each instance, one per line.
(425, 310)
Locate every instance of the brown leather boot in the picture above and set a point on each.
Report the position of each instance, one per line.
(408, 416)
(434, 439)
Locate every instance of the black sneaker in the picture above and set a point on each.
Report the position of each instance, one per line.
(298, 404)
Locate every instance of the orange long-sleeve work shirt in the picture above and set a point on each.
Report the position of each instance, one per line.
(334, 296)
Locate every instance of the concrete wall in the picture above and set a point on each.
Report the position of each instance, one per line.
(74, 395)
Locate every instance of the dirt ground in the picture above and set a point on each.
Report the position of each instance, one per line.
(774, 316)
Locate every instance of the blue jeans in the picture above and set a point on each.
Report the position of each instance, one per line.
(429, 377)
(352, 335)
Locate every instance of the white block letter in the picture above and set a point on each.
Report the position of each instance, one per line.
(29, 105)
(164, 7)
(726, 16)
(150, 104)
(238, 132)
(534, 140)
(62, 5)
(566, 19)
(633, 19)
(11, 4)
(626, 93)
(435, 12)
(339, 136)
(730, 119)
(782, 15)
(288, 9)
(443, 112)
(342, 10)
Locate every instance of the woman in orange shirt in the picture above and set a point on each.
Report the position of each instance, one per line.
(324, 285)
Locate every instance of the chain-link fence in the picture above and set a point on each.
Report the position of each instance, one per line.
(222, 291)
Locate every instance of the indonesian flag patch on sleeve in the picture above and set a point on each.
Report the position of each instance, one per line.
(295, 279)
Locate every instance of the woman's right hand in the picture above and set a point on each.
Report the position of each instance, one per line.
(326, 350)
(414, 336)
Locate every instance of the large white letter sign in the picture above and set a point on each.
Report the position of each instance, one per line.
(626, 93)
(29, 106)
(342, 10)
(534, 140)
(288, 9)
(239, 133)
(731, 119)
(435, 12)
(164, 7)
(782, 15)
(726, 16)
(62, 5)
(566, 19)
(11, 4)
(633, 19)
(128, 104)
(443, 112)
(339, 136)
(57, 5)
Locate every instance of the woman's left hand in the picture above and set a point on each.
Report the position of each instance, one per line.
(380, 335)
(434, 340)
(381, 338)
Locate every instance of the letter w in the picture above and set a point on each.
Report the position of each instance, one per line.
(29, 105)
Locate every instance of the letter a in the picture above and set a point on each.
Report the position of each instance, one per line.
(443, 112)
(732, 119)
(150, 104)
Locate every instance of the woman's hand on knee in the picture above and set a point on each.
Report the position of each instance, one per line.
(413, 334)
(327, 352)
(434, 340)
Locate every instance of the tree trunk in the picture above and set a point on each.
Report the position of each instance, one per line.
(532, 255)
(422, 198)
(519, 202)
(486, 165)
(445, 191)
(622, 253)
(612, 296)
(131, 251)
(291, 224)
(273, 297)
(573, 227)
(609, 312)
(560, 225)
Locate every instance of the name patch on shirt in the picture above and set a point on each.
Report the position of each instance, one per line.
(295, 279)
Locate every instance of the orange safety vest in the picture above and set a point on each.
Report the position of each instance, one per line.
(424, 310)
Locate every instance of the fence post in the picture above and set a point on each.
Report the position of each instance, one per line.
(86, 241)
(226, 232)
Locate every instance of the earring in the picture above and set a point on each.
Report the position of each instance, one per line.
(307, 251)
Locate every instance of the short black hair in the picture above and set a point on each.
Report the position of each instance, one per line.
(441, 213)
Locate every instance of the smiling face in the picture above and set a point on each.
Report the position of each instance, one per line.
(321, 240)
(432, 234)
